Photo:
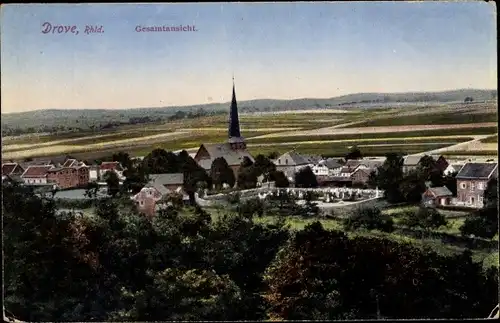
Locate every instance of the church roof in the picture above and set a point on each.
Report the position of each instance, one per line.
(232, 157)
(234, 122)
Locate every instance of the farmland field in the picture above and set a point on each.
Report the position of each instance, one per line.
(492, 139)
(325, 132)
(452, 117)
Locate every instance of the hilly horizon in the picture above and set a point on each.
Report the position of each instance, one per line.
(347, 99)
(71, 120)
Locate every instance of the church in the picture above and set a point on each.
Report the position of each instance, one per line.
(233, 151)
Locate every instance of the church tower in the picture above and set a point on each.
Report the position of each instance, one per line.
(236, 141)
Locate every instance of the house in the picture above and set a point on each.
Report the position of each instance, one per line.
(435, 196)
(292, 162)
(441, 163)
(207, 153)
(472, 180)
(36, 175)
(233, 151)
(11, 171)
(361, 176)
(334, 166)
(320, 169)
(70, 162)
(69, 176)
(156, 189)
(312, 159)
(452, 168)
(411, 162)
(111, 166)
(334, 181)
(94, 173)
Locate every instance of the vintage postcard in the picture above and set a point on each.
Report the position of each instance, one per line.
(249, 161)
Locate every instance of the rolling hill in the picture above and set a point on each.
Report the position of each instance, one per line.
(47, 119)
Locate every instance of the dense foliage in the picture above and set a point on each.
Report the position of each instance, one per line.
(185, 264)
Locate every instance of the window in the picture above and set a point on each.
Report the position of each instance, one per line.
(480, 199)
(286, 161)
(141, 203)
(480, 186)
(472, 186)
(462, 185)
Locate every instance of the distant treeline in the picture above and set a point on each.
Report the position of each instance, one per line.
(67, 120)
(97, 125)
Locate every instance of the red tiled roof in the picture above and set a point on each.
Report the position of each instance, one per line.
(8, 168)
(36, 171)
(110, 165)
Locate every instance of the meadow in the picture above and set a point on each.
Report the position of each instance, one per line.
(490, 140)
(455, 220)
(308, 132)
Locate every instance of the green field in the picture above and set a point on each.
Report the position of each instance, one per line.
(340, 149)
(490, 140)
(435, 118)
(492, 153)
(401, 135)
(139, 140)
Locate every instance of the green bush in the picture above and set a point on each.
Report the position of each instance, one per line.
(370, 219)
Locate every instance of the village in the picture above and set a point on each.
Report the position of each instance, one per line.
(69, 178)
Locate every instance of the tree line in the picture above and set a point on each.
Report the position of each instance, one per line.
(186, 264)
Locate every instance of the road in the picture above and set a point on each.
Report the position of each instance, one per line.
(461, 146)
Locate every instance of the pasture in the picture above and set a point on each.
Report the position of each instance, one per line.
(324, 132)
(484, 256)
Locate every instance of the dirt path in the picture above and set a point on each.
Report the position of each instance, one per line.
(340, 129)
(460, 146)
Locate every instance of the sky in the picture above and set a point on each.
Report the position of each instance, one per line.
(274, 50)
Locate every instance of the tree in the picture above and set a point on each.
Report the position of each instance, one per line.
(247, 177)
(160, 161)
(60, 267)
(247, 162)
(279, 179)
(193, 174)
(113, 183)
(273, 155)
(428, 171)
(251, 207)
(310, 208)
(221, 173)
(451, 183)
(123, 158)
(388, 177)
(425, 218)
(354, 153)
(264, 166)
(412, 186)
(305, 178)
(370, 219)
(179, 294)
(247, 174)
(324, 275)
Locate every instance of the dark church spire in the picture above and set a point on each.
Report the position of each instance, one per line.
(234, 122)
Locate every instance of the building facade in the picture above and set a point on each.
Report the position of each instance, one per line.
(472, 180)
